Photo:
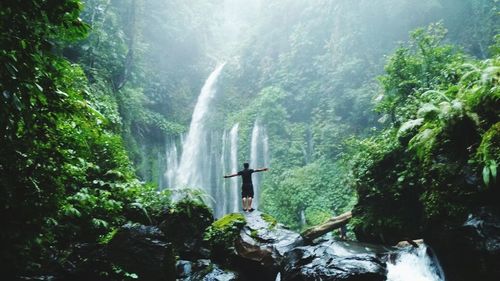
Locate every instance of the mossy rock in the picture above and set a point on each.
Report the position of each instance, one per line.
(185, 224)
(270, 220)
(222, 234)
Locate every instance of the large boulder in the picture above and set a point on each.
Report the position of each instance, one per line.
(472, 250)
(265, 241)
(335, 260)
(143, 251)
(184, 226)
(252, 244)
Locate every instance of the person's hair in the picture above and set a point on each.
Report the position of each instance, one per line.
(246, 165)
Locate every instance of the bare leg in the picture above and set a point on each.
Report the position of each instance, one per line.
(249, 203)
(244, 201)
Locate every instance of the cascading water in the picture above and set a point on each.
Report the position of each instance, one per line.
(172, 163)
(204, 156)
(233, 136)
(223, 161)
(415, 265)
(195, 157)
(258, 156)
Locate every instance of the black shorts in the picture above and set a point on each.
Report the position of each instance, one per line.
(247, 191)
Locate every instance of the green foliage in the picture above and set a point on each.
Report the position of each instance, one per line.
(35, 101)
(185, 223)
(305, 72)
(413, 71)
(222, 234)
(60, 136)
(151, 203)
(445, 142)
(312, 193)
(488, 154)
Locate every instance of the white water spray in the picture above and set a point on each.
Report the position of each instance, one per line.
(415, 265)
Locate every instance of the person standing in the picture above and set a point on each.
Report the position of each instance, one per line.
(247, 185)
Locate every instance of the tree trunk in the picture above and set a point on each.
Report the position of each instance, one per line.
(335, 222)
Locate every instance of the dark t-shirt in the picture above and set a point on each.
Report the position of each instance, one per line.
(246, 176)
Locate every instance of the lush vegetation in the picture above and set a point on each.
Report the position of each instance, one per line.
(66, 177)
(310, 78)
(91, 91)
(438, 158)
(222, 234)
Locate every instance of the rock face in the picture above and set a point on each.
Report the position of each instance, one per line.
(203, 269)
(143, 250)
(471, 251)
(263, 248)
(265, 241)
(335, 260)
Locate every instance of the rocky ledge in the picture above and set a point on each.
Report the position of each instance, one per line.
(335, 260)
(264, 249)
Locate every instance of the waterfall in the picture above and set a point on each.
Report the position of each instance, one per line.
(195, 157)
(223, 160)
(415, 265)
(197, 161)
(233, 135)
(171, 162)
(259, 151)
(204, 155)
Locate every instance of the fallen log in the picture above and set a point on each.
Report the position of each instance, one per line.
(318, 230)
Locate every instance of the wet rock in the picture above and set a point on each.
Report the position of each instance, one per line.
(265, 241)
(184, 269)
(335, 260)
(184, 226)
(204, 270)
(144, 251)
(252, 244)
(214, 274)
(472, 250)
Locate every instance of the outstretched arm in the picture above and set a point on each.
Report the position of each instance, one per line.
(230, 176)
(261, 170)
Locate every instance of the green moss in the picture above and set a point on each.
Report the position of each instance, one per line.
(270, 220)
(254, 233)
(222, 234)
(229, 220)
(185, 223)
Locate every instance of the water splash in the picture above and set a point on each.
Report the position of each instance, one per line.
(414, 265)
